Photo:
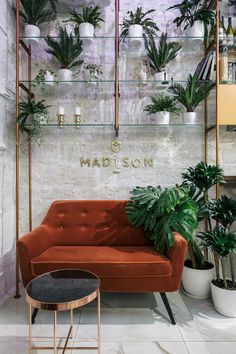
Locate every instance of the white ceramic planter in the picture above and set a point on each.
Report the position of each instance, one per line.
(32, 33)
(135, 35)
(196, 32)
(49, 79)
(86, 31)
(190, 117)
(159, 77)
(197, 282)
(162, 117)
(65, 75)
(224, 300)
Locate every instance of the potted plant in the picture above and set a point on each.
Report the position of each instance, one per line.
(159, 58)
(92, 73)
(161, 107)
(67, 51)
(194, 14)
(191, 96)
(161, 212)
(33, 115)
(222, 242)
(45, 77)
(198, 271)
(87, 21)
(34, 13)
(137, 25)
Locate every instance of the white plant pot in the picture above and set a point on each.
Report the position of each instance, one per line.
(224, 300)
(86, 31)
(159, 77)
(49, 79)
(32, 33)
(190, 117)
(135, 35)
(162, 117)
(65, 75)
(197, 282)
(196, 32)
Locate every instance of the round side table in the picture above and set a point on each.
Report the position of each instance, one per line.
(62, 290)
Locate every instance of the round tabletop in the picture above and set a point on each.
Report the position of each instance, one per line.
(62, 290)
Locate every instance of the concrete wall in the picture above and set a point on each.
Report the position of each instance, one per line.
(7, 150)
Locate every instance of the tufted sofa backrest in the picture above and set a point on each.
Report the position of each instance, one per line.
(93, 222)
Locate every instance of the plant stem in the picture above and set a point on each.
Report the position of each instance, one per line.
(192, 257)
(224, 273)
(217, 266)
(232, 270)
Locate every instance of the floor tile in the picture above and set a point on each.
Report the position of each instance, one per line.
(154, 348)
(211, 347)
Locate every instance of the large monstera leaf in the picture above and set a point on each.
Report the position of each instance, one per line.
(161, 212)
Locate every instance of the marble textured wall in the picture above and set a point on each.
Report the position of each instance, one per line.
(7, 145)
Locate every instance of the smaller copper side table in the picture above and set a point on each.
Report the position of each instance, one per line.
(62, 290)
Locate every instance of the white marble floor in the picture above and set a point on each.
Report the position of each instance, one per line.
(131, 324)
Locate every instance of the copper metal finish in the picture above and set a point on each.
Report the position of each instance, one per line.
(17, 295)
(99, 323)
(217, 92)
(117, 52)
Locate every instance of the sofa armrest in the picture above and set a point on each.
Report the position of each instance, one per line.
(177, 253)
(31, 245)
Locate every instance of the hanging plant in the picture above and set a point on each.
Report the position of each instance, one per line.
(33, 115)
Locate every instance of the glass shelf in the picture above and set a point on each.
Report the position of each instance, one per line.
(113, 37)
(141, 125)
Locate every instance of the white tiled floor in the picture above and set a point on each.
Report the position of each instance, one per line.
(131, 324)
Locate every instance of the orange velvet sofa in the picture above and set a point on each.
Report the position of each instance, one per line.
(96, 236)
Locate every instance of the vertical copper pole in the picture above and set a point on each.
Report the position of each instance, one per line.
(30, 329)
(54, 331)
(30, 147)
(117, 50)
(71, 323)
(99, 323)
(217, 92)
(17, 133)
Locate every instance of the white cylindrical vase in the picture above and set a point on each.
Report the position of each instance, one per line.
(197, 282)
(224, 300)
(190, 117)
(86, 32)
(65, 75)
(135, 35)
(162, 117)
(196, 32)
(32, 34)
(49, 79)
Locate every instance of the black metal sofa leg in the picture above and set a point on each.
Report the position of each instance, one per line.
(168, 308)
(34, 314)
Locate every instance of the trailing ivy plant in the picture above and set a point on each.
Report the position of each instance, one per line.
(192, 11)
(163, 55)
(90, 14)
(193, 94)
(40, 77)
(139, 17)
(66, 50)
(161, 212)
(162, 103)
(33, 115)
(36, 12)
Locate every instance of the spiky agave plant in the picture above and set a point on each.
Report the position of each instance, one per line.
(34, 114)
(193, 94)
(139, 17)
(163, 55)
(35, 12)
(66, 50)
(192, 11)
(162, 103)
(90, 14)
(161, 212)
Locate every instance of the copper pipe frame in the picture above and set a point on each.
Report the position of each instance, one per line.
(217, 136)
(30, 146)
(17, 135)
(117, 54)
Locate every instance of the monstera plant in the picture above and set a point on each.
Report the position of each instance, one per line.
(161, 212)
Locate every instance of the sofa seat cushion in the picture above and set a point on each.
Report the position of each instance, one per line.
(103, 260)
